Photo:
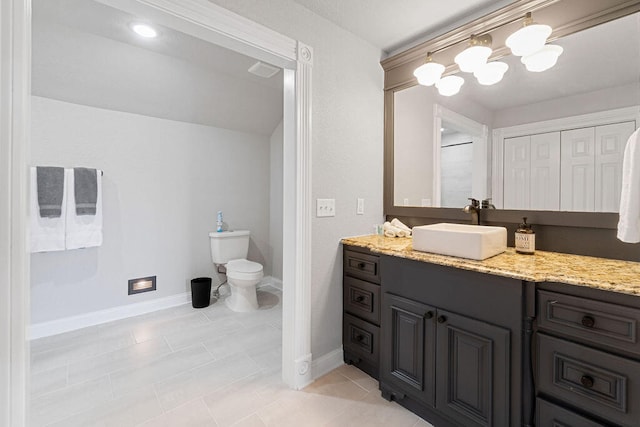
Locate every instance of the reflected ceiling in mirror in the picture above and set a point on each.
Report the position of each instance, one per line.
(599, 71)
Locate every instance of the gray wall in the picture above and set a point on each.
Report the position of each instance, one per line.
(163, 183)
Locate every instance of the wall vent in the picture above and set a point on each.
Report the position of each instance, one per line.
(263, 70)
(144, 284)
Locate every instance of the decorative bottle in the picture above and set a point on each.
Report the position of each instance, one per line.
(219, 222)
(525, 238)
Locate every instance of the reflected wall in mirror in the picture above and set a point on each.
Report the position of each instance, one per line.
(555, 138)
(440, 154)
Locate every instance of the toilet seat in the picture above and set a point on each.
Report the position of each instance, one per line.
(243, 269)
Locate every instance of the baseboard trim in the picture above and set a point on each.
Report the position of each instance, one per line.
(326, 363)
(54, 327)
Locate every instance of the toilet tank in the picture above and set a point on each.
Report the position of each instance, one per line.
(228, 245)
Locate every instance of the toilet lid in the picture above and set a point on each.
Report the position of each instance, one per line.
(244, 266)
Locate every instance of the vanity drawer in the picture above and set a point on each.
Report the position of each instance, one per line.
(605, 385)
(362, 299)
(361, 338)
(361, 265)
(550, 415)
(589, 320)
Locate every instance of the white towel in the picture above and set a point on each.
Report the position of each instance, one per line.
(391, 231)
(83, 231)
(629, 222)
(45, 234)
(399, 224)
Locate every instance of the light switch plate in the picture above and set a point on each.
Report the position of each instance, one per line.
(360, 207)
(325, 207)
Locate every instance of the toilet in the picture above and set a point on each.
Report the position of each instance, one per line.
(229, 248)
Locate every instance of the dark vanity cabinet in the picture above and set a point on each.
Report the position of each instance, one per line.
(361, 309)
(588, 357)
(451, 344)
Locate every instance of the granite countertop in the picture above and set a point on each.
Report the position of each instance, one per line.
(599, 273)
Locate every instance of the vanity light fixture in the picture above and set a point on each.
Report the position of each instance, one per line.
(450, 85)
(144, 30)
(476, 55)
(429, 72)
(491, 73)
(529, 42)
(528, 39)
(543, 59)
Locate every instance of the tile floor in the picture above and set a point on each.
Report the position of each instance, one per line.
(186, 367)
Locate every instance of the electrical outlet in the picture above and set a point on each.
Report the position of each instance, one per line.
(406, 202)
(360, 207)
(325, 207)
(426, 203)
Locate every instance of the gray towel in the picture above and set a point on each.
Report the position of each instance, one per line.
(85, 190)
(50, 181)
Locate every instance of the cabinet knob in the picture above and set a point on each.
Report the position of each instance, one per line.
(588, 321)
(442, 319)
(359, 337)
(361, 265)
(586, 381)
(359, 298)
(428, 315)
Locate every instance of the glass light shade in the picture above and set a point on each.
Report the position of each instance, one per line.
(491, 73)
(450, 85)
(543, 59)
(429, 73)
(472, 58)
(528, 40)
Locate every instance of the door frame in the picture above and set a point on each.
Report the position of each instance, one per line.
(209, 22)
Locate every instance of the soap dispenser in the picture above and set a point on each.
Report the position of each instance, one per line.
(525, 238)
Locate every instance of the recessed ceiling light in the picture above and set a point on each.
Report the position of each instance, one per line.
(144, 30)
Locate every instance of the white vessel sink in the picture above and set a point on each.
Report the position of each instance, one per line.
(461, 240)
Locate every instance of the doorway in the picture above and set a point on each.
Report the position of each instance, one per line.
(212, 23)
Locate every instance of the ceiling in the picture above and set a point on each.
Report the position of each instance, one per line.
(84, 52)
(392, 24)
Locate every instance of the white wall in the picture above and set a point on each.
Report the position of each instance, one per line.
(413, 146)
(276, 202)
(163, 183)
(347, 115)
(584, 103)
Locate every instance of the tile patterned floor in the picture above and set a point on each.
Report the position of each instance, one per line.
(187, 367)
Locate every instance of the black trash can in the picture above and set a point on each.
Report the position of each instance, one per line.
(200, 292)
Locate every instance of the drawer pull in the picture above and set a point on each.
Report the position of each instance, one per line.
(586, 381)
(359, 338)
(428, 315)
(361, 265)
(442, 319)
(359, 298)
(588, 321)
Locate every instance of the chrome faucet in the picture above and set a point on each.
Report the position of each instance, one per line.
(474, 209)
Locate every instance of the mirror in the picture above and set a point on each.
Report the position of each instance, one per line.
(537, 129)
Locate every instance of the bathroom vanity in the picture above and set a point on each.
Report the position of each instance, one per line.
(548, 340)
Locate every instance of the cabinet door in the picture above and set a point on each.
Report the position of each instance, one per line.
(517, 172)
(545, 171)
(473, 371)
(408, 347)
(577, 170)
(610, 143)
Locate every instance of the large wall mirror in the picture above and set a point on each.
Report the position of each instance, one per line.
(550, 141)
